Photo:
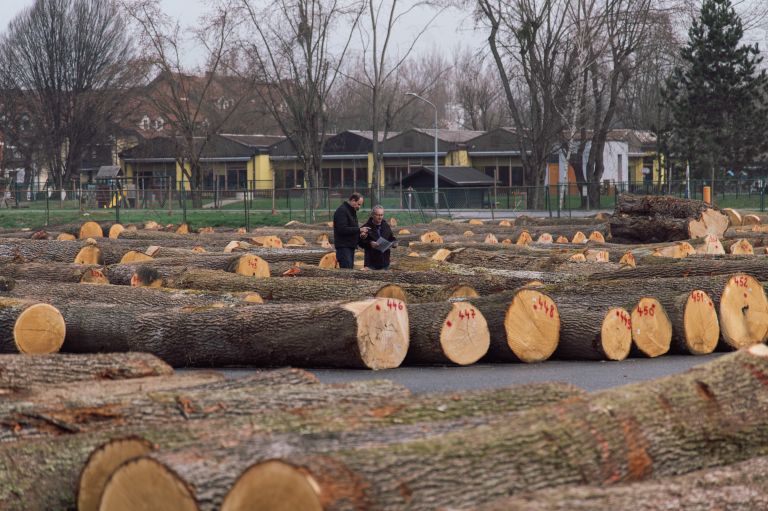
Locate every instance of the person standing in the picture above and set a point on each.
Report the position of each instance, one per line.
(347, 231)
(378, 228)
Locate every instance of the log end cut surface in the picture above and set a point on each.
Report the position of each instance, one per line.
(89, 254)
(94, 276)
(101, 464)
(532, 324)
(464, 337)
(616, 334)
(391, 291)
(702, 329)
(251, 266)
(145, 484)
(743, 312)
(382, 331)
(273, 486)
(39, 330)
(651, 327)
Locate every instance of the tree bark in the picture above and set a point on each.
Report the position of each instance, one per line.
(588, 332)
(57, 251)
(446, 333)
(26, 465)
(22, 372)
(740, 486)
(47, 271)
(366, 334)
(615, 436)
(121, 274)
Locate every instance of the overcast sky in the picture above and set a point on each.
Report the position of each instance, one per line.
(450, 30)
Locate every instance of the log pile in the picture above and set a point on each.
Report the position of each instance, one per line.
(121, 430)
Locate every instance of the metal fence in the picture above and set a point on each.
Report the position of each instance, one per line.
(116, 202)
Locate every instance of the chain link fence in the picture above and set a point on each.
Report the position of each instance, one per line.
(245, 206)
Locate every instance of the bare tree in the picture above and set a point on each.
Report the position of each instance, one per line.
(530, 46)
(292, 50)
(379, 67)
(477, 91)
(194, 102)
(67, 56)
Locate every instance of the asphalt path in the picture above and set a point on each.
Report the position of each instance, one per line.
(585, 374)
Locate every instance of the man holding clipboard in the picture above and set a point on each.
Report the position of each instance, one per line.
(378, 242)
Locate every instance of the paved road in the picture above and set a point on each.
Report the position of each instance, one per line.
(587, 375)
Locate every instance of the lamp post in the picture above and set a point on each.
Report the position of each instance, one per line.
(437, 196)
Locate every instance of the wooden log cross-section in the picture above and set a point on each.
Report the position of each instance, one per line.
(447, 333)
(30, 327)
(524, 324)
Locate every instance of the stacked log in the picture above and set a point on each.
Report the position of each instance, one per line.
(626, 437)
(664, 218)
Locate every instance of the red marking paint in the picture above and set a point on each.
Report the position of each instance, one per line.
(377, 307)
(449, 323)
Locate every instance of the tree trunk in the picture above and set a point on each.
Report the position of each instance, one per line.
(622, 435)
(57, 251)
(446, 333)
(22, 372)
(121, 273)
(30, 327)
(588, 333)
(738, 486)
(26, 465)
(524, 325)
(48, 271)
(365, 334)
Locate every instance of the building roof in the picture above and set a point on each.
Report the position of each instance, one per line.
(255, 141)
(452, 136)
(108, 172)
(455, 176)
(216, 148)
(499, 141)
(369, 134)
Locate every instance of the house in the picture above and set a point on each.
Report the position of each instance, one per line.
(459, 186)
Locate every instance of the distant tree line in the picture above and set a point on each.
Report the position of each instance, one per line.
(561, 73)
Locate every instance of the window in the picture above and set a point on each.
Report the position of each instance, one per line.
(159, 123)
(144, 124)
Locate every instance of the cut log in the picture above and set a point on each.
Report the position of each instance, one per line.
(403, 231)
(431, 237)
(524, 325)
(133, 256)
(183, 229)
(115, 230)
(588, 333)
(26, 466)
(65, 236)
(741, 247)
(695, 327)
(364, 334)
(22, 372)
(48, 271)
(711, 246)
(475, 221)
(101, 464)
(596, 237)
(627, 436)
(751, 220)
(651, 327)
(544, 238)
(328, 261)
(297, 241)
(664, 218)
(267, 241)
(734, 217)
(441, 254)
(91, 230)
(243, 264)
(89, 254)
(490, 239)
(30, 327)
(562, 239)
(736, 486)
(524, 238)
(505, 223)
(446, 333)
(579, 237)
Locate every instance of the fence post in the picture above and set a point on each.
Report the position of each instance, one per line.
(117, 205)
(183, 203)
(47, 209)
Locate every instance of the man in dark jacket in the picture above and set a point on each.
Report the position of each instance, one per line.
(378, 228)
(347, 231)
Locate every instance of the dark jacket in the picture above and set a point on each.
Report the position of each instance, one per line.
(346, 230)
(373, 258)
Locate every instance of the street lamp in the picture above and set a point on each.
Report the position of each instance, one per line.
(437, 197)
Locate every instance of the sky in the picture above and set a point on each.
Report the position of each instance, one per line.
(450, 30)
